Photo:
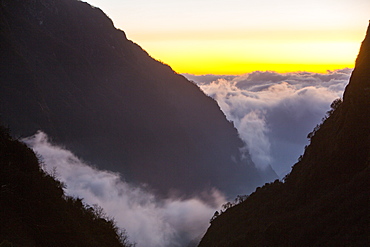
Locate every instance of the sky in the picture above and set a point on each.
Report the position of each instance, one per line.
(241, 36)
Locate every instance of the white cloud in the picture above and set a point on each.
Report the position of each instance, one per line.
(149, 221)
(274, 112)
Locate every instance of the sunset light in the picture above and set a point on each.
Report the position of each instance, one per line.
(236, 37)
(242, 56)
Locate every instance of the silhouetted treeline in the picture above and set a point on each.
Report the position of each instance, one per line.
(34, 210)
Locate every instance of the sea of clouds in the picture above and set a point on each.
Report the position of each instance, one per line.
(148, 220)
(273, 112)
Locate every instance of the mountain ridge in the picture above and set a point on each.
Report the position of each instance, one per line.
(324, 200)
(69, 72)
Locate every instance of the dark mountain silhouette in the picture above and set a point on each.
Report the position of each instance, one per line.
(324, 201)
(35, 212)
(67, 71)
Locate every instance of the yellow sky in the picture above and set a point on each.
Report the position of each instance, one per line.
(238, 56)
(236, 37)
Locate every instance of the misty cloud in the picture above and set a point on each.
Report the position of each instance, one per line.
(149, 221)
(274, 112)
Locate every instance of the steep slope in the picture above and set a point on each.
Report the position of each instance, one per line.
(324, 201)
(67, 71)
(35, 212)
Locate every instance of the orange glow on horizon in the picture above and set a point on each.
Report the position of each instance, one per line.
(280, 68)
(223, 37)
(240, 57)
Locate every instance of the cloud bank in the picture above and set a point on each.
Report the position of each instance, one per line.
(274, 112)
(149, 221)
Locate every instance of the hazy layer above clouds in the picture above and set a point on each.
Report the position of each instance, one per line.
(149, 221)
(274, 112)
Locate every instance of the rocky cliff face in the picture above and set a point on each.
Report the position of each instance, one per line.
(324, 201)
(66, 70)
